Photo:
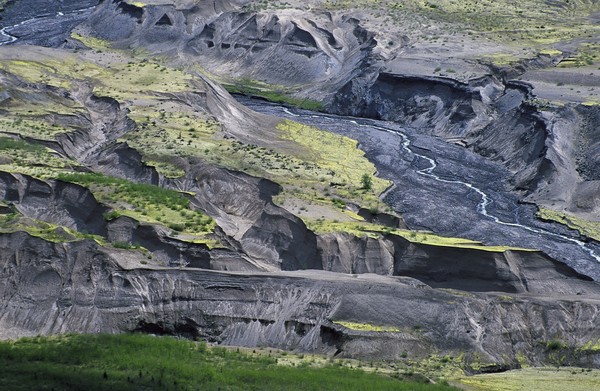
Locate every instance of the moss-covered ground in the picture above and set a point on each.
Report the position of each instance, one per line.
(367, 327)
(13, 221)
(145, 203)
(585, 227)
(537, 379)
(273, 93)
(17, 155)
(135, 362)
(375, 231)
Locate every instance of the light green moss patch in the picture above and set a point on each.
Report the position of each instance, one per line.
(501, 59)
(38, 128)
(585, 227)
(91, 42)
(592, 346)
(537, 379)
(551, 52)
(341, 165)
(588, 54)
(367, 327)
(135, 79)
(34, 72)
(361, 229)
(591, 103)
(14, 222)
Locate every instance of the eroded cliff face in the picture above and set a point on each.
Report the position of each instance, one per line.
(51, 288)
(464, 269)
(493, 118)
(311, 55)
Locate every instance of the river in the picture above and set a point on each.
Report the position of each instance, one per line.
(42, 22)
(447, 189)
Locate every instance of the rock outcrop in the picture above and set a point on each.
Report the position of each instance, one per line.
(464, 269)
(60, 203)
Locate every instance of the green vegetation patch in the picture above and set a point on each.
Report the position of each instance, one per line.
(309, 163)
(272, 93)
(144, 202)
(361, 229)
(588, 54)
(367, 327)
(536, 379)
(343, 172)
(47, 72)
(501, 59)
(91, 42)
(35, 127)
(170, 132)
(587, 228)
(8, 144)
(19, 156)
(141, 362)
(14, 222)
(592, 346)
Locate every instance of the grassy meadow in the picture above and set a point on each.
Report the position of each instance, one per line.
(143, 362)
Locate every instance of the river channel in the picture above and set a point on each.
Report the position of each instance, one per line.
(447, 189)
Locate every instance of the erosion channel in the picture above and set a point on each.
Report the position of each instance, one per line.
(448, 189)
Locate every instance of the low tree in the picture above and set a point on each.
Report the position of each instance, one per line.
(366, 182)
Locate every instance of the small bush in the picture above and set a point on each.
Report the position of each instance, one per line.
(123, 245)
(113, 214)
(555, 344)
(366, 182)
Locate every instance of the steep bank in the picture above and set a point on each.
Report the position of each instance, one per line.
(56, 287)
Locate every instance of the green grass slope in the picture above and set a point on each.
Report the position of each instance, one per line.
(141, 362)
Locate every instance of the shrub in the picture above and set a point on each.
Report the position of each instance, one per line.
(555, 344)
(366, 181)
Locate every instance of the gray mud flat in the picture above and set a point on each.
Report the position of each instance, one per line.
(42, 22)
